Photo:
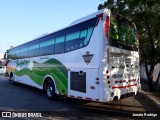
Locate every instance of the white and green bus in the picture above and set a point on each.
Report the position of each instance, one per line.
(94, 58)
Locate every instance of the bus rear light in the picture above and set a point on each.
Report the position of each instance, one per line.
(97, 78)
(107, 71)
(120, 81)
(124, 81)
(88, 98)
(71, 96)
(131, 80)
(109, 82)
(112, 94)
(79, 97)
(116, 82)
(107, 27)
(97, 82)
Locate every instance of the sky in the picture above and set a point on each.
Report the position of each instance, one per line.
(24, 20)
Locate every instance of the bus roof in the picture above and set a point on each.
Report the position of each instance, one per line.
(86, 17)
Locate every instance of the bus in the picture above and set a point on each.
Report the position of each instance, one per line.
(95, 58)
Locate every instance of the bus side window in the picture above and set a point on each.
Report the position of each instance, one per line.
(34, 50)
(88, 34)
(19, 54)
(47, 47)
(78, 39)
(16, 54)
(11, 54)
(24, 52)
(72, 41)
(59, 45)
(83, 34)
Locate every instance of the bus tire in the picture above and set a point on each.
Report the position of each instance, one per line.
(50, 90)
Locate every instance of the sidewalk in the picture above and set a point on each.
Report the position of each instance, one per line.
(154, 97)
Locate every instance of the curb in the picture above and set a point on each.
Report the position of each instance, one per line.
(151, 99)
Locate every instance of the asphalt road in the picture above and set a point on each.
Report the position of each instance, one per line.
(21, 98)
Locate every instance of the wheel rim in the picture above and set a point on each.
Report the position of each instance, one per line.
(49, 91)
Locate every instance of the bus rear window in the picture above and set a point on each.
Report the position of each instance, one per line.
(122, 33)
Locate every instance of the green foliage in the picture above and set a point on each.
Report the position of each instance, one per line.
(100, 6)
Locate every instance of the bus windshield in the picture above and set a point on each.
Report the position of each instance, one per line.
(122, 33)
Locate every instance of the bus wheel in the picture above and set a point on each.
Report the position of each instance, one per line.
(50, 90)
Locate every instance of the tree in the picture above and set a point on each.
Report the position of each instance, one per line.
(100, 6)
(146, 15)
